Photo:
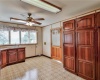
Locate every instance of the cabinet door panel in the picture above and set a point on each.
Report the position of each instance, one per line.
(85, 22)
(68, 25)
(21, 55)
(70, 64)
(85, 53)
(86, 69)
(85, 37)
(68, 37)
(12, 57)
(69, 50)
(97, 19)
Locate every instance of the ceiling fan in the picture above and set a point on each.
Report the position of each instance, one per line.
(29, 19)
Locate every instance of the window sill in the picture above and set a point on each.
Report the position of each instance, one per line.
(18, 44)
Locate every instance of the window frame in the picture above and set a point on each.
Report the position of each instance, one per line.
(9, 32)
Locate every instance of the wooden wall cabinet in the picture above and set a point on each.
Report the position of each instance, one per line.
(80, 46)
(11, 56)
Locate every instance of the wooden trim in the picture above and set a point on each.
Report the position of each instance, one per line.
(51, 4)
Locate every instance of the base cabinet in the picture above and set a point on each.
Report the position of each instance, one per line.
(11, 56)
(3, 58)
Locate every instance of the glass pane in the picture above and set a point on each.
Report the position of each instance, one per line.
(4, 37)
(55, 37)
(33, 37)
(15, 39)
(24, 37)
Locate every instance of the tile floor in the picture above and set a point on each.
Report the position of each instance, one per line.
(37, 68)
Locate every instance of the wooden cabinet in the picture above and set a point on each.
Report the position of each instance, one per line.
(79, 46)
(68, 25)
(11, 56)
(69, 46)
(21, 54)
(3, 58)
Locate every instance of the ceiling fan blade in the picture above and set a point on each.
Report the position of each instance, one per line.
(36, 22)
(39, 19)
(16, 19)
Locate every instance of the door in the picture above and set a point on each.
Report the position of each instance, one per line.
(69, 45)
(56, 46)
(85, 53)
(69, 51)
(12, 56)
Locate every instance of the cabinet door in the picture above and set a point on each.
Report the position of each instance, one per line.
(98, 56)
(69, 51)
(68, 25)
(85, 54)
(21, 54)
(4, 57)
(97, 19)
(85, 22)
(12, 56)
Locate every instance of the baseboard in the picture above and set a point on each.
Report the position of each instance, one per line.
(46, 56)
(38, 56)
(32, 56)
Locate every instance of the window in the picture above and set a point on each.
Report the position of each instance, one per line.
(28, 37)
(24, 37)
(15, 39)
(33, 37)
(4, 37)
(18, 37)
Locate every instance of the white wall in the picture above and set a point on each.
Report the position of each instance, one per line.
(47, 38)
(31, 49)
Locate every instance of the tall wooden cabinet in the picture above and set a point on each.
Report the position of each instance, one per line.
(69, 45)
(80, 47)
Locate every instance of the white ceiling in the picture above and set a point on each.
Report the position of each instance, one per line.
(17, 8)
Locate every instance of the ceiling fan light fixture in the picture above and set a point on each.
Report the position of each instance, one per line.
(44, 5)
(29, 23)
